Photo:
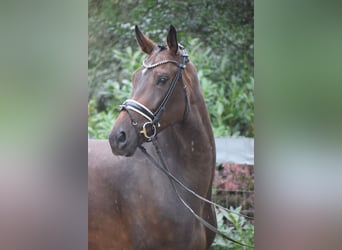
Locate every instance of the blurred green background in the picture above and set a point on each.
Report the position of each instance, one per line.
(218, 36)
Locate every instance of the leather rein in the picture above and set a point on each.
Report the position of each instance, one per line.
(149, 131)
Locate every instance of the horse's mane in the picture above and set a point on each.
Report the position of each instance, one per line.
(190, 78)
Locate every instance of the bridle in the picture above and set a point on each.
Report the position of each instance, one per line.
(149, 131)
(150, 128)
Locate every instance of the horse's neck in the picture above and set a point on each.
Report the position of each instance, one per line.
(194, 141)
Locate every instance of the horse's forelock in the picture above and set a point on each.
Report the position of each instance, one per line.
(162, 47)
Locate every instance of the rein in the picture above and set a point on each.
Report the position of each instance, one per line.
(149, 131)
(173, 179)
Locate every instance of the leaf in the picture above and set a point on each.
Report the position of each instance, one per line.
(219, 108)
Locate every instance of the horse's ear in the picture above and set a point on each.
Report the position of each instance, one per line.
(172, 40)
(144, 42)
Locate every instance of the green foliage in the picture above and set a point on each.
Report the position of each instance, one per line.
(235, 227)
(99, 123)
(229, 95)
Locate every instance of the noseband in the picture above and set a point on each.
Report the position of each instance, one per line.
(149, 128)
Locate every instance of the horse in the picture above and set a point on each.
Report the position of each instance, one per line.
(132, 203)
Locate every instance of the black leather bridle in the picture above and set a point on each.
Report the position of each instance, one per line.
(149, 128)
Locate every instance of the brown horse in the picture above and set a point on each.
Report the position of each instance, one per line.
(133, 204)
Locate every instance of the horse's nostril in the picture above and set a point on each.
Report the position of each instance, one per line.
(122, 137)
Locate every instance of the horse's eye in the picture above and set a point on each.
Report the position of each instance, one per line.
(162, 80)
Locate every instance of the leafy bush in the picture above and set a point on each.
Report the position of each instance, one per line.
(229, 96)
(99, 123)
(234, 186)
(235, 227)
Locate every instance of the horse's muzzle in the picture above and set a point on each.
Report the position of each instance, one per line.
(119, 143)
(123, 138)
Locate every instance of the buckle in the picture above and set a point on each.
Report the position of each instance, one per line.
(149, 130)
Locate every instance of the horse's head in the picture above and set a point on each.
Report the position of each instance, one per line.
(158, 99)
